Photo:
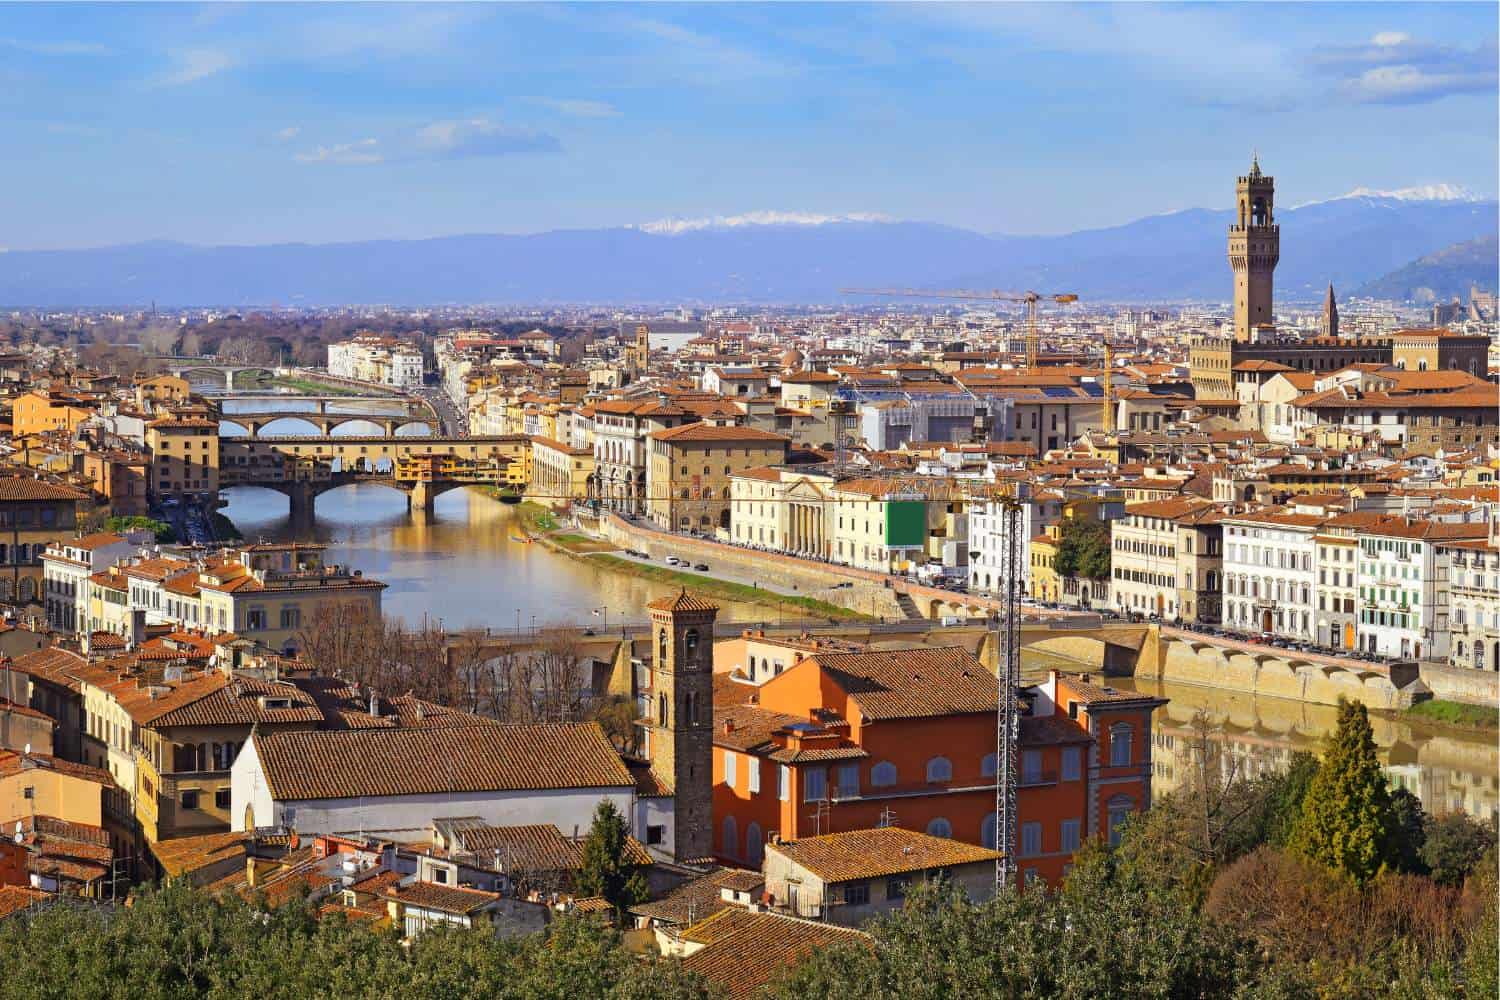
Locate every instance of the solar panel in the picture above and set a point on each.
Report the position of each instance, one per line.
(1057, 391)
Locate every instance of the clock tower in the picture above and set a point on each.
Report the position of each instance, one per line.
(1254, 249)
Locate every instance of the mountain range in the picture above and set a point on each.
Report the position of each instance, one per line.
(1444, 275)
(766, 258)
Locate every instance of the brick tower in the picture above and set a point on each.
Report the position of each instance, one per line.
(1254, 249)
(681, 724)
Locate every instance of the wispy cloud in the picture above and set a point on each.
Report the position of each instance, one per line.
(362, 151)
(449, 139)
(576, 108)
(192, 65)
(1395, 68)
(62, 47)
(289, 133)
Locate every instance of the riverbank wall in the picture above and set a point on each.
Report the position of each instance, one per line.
(1472, 687)
(853, 589)
(1270, 672)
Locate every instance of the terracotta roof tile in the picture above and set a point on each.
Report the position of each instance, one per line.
(379, 762)
(876, 853)
(746, 951)
(911, 683)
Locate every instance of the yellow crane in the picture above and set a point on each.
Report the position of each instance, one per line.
(1030, 298)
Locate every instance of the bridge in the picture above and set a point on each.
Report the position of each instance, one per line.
(302, 468)
(188, 367)
(413, 412)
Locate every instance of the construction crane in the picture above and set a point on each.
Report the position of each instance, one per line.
(1008, 678)
(1030, 298)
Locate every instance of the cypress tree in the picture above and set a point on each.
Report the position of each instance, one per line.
(1347, 820)
(606, 869)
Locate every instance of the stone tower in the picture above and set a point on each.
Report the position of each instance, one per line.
(682, 710)
(1329, 325)
(1254, 249)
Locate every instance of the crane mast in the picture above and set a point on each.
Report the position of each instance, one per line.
(1008, 713)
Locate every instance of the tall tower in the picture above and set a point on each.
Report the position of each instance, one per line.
(682, 716)
(1329, 325)
(1254, 249)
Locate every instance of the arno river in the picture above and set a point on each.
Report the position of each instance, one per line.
(463, 566)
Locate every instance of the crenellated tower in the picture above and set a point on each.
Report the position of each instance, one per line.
(1254, 249)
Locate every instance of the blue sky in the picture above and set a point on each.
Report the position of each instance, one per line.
(267, 123)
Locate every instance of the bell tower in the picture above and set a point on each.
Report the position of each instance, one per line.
(681, 721)
(1254, 249)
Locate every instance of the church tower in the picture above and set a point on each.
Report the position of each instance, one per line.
(1254, 249)
(1329, 325)
(681, 723)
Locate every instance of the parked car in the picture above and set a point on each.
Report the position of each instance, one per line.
(701, 567)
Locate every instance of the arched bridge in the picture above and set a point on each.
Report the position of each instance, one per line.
(206, 369)
(407, 413)
(421, 467)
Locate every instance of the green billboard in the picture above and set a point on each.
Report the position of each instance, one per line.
(905, 524)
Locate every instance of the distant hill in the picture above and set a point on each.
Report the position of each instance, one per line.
(1349, 241)
(1442, 276)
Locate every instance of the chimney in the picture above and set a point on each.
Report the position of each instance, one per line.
(250, 872)
(374, 703)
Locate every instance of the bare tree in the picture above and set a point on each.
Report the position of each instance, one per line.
(565, 688)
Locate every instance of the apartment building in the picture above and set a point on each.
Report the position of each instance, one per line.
(371, 358)
(691, 468)
(1403, 579)
(1474, 602)
(34, 513)
(184, 457)
(560, 473)
(844, 741)
(67, 566)
(1270, 579)
(621, 428)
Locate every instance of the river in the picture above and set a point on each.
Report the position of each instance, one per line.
(1448, 770)
(461, 564)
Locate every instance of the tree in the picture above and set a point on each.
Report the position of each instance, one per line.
(1083, 549)
(1454, 846)
(1411, 831)
(606, 871)
(160, 530)
(1347, 821)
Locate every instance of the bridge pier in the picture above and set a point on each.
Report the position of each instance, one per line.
(390, 425)
(421, 497)
(302, 497)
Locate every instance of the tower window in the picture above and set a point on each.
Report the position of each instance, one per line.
(661, 708)
(690, 640)
(661, 645)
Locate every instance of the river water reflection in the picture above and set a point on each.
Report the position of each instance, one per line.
(462, 564)
(1447, 771)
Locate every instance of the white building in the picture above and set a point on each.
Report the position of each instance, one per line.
(1404, 585)
(1474, 602)
(376, 359)
(1270, 583)
(67, 566)
(395, 782)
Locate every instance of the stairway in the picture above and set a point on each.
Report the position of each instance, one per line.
(907, 605)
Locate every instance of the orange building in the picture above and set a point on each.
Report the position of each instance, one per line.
(852, 740)
(47, 410)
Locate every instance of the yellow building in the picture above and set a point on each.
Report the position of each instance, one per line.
(559, 472)
(161, 390)
(689, 470)
(39, 784)
(33, 514)
(48, 410)
(184, 456)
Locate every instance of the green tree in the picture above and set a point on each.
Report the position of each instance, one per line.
(160, 529)
(1083, 548)
(606, 871)
(1411, 831)
(1347, 821)
(1454, 846)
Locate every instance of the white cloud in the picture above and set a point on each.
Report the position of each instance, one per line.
(448, 139)
(362, 151)
(289, 133)
(1389, 38)
(675, 227)
(577, 108)
(1414, 85)
(191, 65)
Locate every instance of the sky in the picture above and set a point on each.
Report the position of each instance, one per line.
(266, 123)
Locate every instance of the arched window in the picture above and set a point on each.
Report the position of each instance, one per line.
(690, 641)
(661, 708)
(661, 645)
(988, 767)
(731, 844)
(940, 827)
(883, 773)
(1119, 744)
(1119, 809)
(939, 769)
(989, 832)
(755, 845)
